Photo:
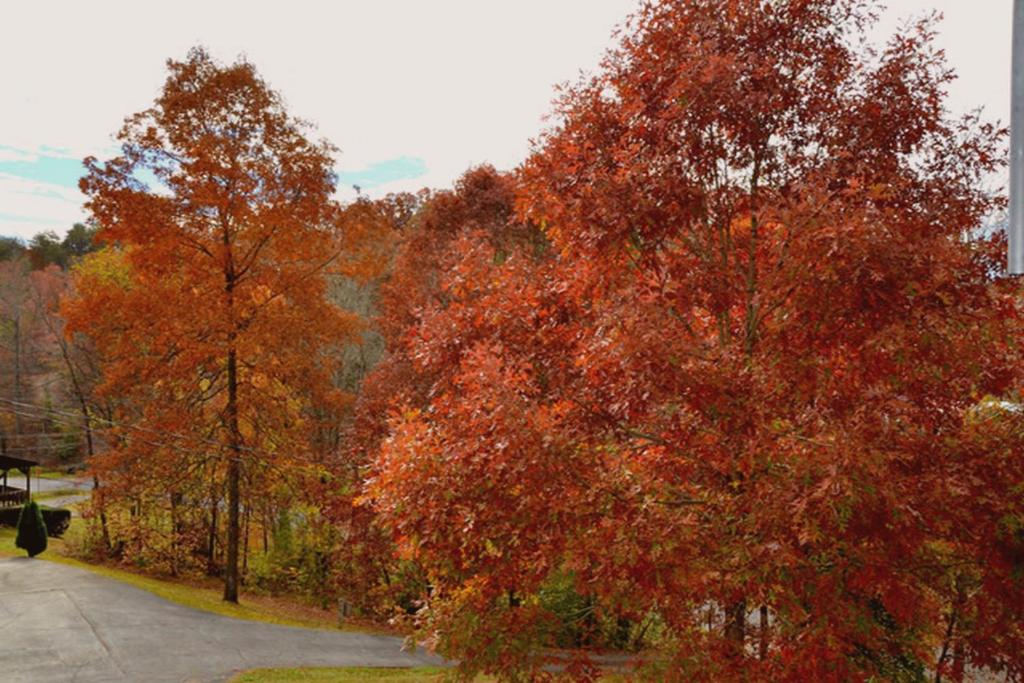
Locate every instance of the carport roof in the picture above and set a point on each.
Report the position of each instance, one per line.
(9, 463)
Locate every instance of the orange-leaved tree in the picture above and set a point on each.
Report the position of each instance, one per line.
(427, 228)
(743, 397)
(212, 318)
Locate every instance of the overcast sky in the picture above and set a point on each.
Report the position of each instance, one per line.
(412, 91)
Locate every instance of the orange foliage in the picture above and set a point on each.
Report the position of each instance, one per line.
(209, 306)
(747, 375)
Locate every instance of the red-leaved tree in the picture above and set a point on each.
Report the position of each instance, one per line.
(428, 229)
(758, 391)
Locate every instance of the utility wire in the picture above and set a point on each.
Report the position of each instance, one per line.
(50, 412)
(61, 415)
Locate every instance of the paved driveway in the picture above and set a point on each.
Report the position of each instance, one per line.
(59, 623)
(45, 485)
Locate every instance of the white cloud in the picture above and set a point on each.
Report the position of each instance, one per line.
(13, 154)
(450, 81)
(382, 79)
(28, 207)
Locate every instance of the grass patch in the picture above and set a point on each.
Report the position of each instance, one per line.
(7, 547)
(202, 595)
(57, 493)
(342, 675)
(54, 473)
(209, 599)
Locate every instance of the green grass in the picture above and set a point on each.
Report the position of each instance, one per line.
(7, 547)
(203, 597)
(342, 675)
(57, 493)
(45, 473)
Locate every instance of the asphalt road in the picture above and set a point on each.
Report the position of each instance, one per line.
(59, 623)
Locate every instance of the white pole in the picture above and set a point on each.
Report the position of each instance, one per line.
(1015, 256)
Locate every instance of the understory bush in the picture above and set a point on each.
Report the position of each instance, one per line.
(581, 620)
(31, 530)
(57, 520)
(299, 559)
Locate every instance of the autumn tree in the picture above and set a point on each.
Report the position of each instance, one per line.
(425, 228)
(14, 293)
(743, 386)
(23, 340)
(45, 248)
(212, 319)
(70, 356)
(43, 405)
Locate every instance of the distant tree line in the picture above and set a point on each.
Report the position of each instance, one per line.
(47, 249)
(44, 375)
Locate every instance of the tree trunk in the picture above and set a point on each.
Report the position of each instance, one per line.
(83, 406)
(736, 614)
(174, 534)
(959, 663)
(762, 651)
(266, 529)
(959, 671)
(211, 560)
(245, 537)
(97, 495)
(17, 373)
(736, 624)
(97, 498)
(234, 475)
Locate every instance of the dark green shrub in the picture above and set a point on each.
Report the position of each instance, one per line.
(31, 530)
(583, 621)
(574, 613)
(57, 520)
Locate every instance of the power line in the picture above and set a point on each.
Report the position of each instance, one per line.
(61, 415)
(52, 412)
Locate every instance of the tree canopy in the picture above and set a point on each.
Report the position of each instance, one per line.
(742, 385)
(213, 318)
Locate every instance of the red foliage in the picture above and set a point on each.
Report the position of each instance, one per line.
(746, 372)
(426, 227)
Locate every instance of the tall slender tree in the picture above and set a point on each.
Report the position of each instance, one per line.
(216, 327)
